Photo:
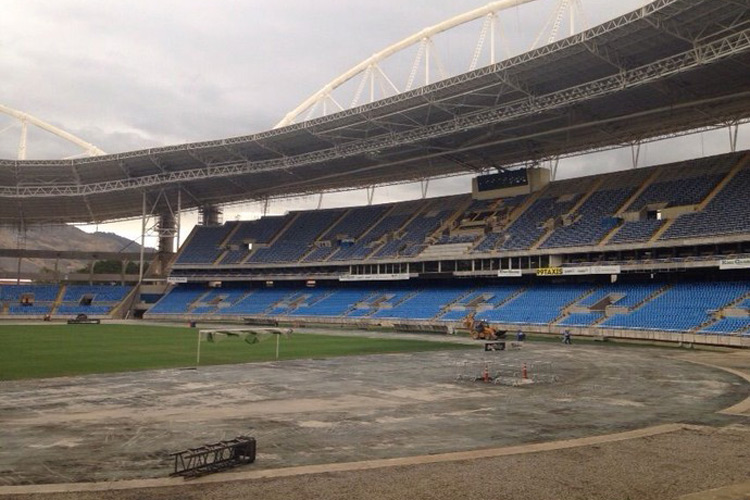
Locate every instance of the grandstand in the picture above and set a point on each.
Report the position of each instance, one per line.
(449, 254)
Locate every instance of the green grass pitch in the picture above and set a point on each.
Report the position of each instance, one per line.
(39, 351)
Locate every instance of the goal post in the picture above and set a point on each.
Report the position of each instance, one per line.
(251, 336)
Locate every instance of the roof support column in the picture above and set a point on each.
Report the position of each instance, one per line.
(555, 163)
(210, 215)
(167, 232)
(178, 217)
(635, 152)
(144, 217)
(733, 131)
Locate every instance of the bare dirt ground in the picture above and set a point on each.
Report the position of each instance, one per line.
(382, 411)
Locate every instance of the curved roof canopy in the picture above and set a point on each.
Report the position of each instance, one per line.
(671, 66)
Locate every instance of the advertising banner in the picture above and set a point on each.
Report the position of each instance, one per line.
(374, 277)
(734, 264)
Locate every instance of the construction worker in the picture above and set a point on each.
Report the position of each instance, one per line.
(566, 337)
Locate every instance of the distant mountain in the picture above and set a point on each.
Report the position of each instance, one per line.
(125, 244)
(59, 237)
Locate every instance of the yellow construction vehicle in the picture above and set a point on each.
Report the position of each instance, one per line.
(480, 329)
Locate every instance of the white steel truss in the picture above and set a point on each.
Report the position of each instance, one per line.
(26, 119)
(702, 54)
(426, 58)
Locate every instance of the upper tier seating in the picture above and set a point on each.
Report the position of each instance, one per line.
(397, 215)
(256, 231)
(203, 246)
(636, 231)
(528, 228)
(349, 229)
(678, 192)
(593, 220)
(553, 220)
(412, 239)
(727, 213)
(297, 239)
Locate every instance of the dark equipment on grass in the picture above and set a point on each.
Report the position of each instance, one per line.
(83, 319)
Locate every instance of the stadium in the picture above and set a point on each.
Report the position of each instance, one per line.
(647, 268)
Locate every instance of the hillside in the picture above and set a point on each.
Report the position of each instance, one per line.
(59, 237)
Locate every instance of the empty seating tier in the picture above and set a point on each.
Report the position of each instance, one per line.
(628, 207)
(678, 307)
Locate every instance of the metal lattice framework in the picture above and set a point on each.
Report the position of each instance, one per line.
(375, 82)
(671, 66)
(25, 119)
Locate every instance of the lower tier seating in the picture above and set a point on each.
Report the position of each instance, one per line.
(684, 306)
(60, 300)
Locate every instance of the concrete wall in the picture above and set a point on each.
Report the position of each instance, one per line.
(595, 333)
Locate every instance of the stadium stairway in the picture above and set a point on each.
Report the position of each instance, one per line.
(624, 207)
(223, 243)
(197, 302)
(570, 213)
(313, 247)
(373, 224)
(726, 180)
(635, 195)
(721, 313)
(289, 222)
(566, 309)
(663, 229)
(525, 205)
(448, 307)
(639, 191)
(515, 214)
(356, 306)
(58, 300)
(124, 308)
(610, 313)
(450, 220)
(710, 196)
(396, 233)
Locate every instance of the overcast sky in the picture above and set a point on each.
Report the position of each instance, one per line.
(134, 74)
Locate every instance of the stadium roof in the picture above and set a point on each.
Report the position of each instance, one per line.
(671, 66)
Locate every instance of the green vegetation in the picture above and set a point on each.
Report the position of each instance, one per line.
(111, 267)
(38, 351)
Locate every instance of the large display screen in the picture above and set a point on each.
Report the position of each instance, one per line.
(501, 180)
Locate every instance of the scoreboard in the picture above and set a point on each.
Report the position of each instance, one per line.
(502, 180)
